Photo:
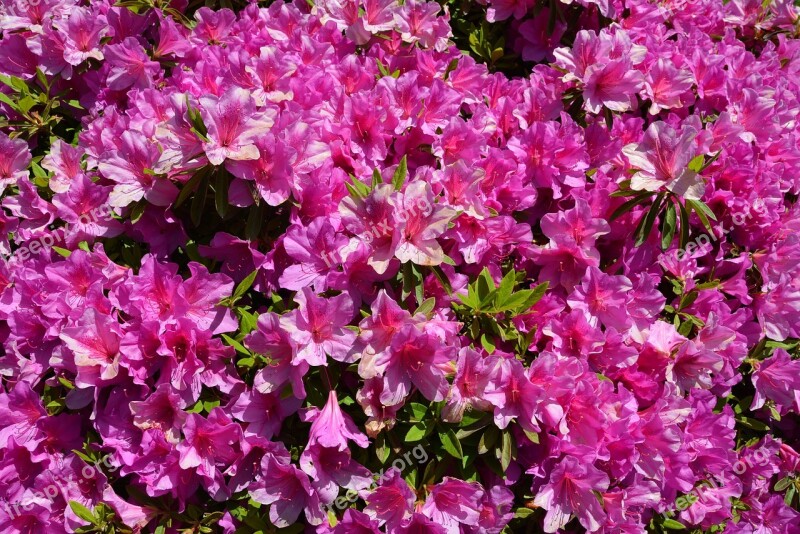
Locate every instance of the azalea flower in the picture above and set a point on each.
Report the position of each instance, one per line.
(452, 503)
(332, 428)
(569, 491)
(95, 341)
(288, 490)
(318, 328)
(14, 160)
(662, 160)
(392, 501)
(776, 379)
(421, 221)
(131, 166)
(233, 126)
(414, 359)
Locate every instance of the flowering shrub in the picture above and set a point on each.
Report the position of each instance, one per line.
(349, 266)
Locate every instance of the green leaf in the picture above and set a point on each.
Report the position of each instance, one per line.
(487, 344)
(506, 450)
(221, 185)
(138, 210)
(688, 299)
(646, 224)
(400, 174)
(697, 163)
(358, 189)
(83, 512)
(521, 301)
(190, 186)
(625, 207)
(506, 287)
(62, 251)
(196, 120)
(236, 345)
(427, 306)
(708, 163)
(488, 439)
(418, 411)
(522, 513)
(443, 280)
(684, 217)
(783, 483)
(408, 280)
(245, 285)
(447, 260)
(668, 226)
(255, 220)
(7, 100)
(753, 424)
(382, 450)
(199, 201)
(451, 444)
(419, 287)
(417, 432)
(703, 212)
(673, 525)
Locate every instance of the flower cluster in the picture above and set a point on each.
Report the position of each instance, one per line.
(311, 265)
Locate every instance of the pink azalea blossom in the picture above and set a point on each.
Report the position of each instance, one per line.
(318, 328)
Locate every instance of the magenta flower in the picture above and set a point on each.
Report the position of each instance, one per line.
(318, 328)
(162, 411)
(64, 161)
(667, 87)
(453, 503)
(612, 85)
(355, 522)
(271, 171)
(662, 160)
(288, 490)
(274, 343)
(421, 221)
(94, 339)
(603, 299)
(332, 428)
(331, 468)
(130, 65)
(131, 166)
(378, 331)
(570, 490)
(473, 373)
(372, 219)
(83, 32)
(420, 524)
(317, 249)
(84, 208)
(514, 396)
(415, 359)
(14, 160)
(263, 412)
(392, 501)
(777, 379)
(233, 126)
(208, 442)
